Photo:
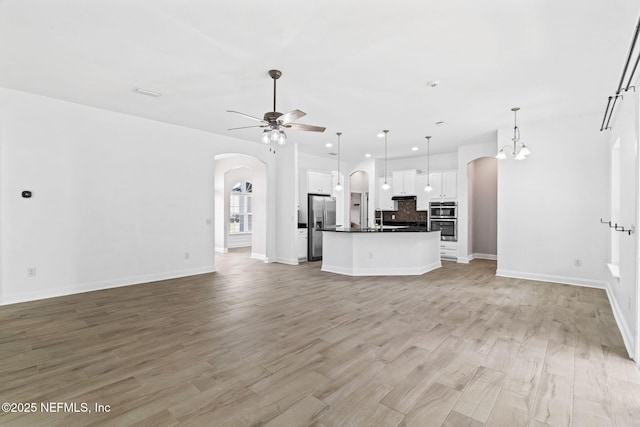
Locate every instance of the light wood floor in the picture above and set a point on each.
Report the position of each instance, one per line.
(276, 345)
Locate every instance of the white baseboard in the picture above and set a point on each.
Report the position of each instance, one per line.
(381, 271)
(221, 250)
(102, 284)
(490, 257)
(261, 257)
(627, 337)
(565, 280)
(464, 260)
(289, 261)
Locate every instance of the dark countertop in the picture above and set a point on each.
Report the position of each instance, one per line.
(395, 229)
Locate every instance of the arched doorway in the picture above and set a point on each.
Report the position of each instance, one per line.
(359, 199)
(482, 175)
(240, 204)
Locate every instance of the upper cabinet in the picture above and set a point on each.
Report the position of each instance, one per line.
(444, 184)
(319, 183)
(404, 182)
(384, 202)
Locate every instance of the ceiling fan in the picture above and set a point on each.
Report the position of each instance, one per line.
(274, 122)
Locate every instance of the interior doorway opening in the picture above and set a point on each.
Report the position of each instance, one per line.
(359, 199)
(482, 174)
(240, 205)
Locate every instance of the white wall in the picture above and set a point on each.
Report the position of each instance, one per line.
(287, 218)
(117, 199)
(623, 292)
(550, 204)
(359, 181)
(483, 207)
(437, 162)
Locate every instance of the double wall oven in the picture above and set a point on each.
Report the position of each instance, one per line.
(443, 216)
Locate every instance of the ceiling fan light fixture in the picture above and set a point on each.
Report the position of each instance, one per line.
(275, 122)
(282, 137)
(274, 135)
(428, 188)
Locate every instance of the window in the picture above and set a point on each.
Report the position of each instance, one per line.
(240, 217)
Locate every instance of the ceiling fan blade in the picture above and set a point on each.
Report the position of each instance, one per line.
(291, 116)
(247, 127)
(299, 126)
(245, 115)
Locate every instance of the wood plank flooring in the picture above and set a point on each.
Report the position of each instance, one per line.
(269, 344)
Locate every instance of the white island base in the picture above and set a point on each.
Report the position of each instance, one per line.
(380, 253)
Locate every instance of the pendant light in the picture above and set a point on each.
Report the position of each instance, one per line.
(338, 185)
(519, 152)
(428, 188)
(386, 185)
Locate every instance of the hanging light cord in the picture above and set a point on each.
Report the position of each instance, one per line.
(339, 133)
(385, 155)
(516, 130)
(428, 159)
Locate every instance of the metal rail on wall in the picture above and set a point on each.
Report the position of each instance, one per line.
(617, 227)
(610, 106)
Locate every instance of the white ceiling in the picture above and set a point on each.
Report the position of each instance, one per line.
(355, 67)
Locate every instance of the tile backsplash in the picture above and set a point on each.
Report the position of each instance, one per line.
(406, 213)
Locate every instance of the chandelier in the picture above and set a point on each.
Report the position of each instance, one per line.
(519, 150)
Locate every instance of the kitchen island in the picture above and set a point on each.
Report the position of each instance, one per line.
(387, 252)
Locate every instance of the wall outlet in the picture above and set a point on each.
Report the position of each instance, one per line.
(577, 262)
(370, 255)
(393, 216)
(187, 255)
(208, 221)
(31, 272)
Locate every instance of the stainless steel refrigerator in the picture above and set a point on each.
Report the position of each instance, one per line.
(321, 214)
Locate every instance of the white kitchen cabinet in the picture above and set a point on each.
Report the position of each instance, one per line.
(422, 197)
(302, 244)
(384, 202)
(319, 182)
(404, 182)
(444, 184)
(449, 250)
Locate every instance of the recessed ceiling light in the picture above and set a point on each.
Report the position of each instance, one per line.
(367, 155)
(381, 135)
(442, 123)
(328, 145)
(146, 92)
(414, 148)
(433, 83)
